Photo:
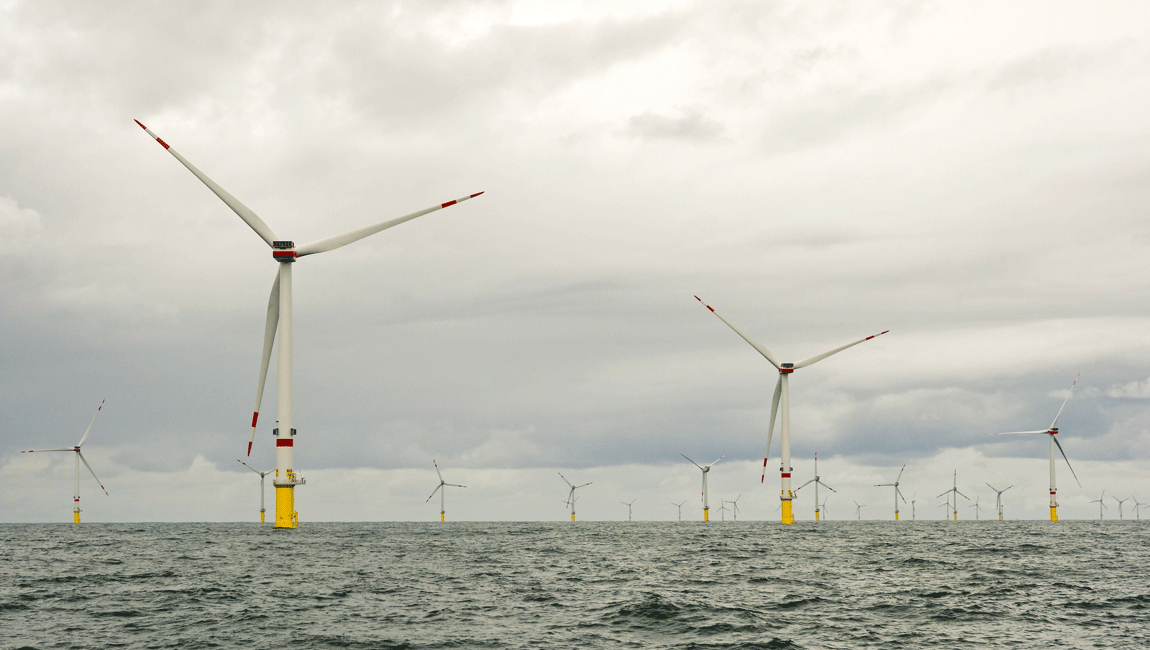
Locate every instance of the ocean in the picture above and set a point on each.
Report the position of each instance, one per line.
(836, 584)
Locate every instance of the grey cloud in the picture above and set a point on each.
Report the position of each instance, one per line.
(689, 124)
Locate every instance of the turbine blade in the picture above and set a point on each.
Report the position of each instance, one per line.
(270, 326)
(89, 430)
(565, 480)
(994, 488)
(754, 344)
(692, 462)
(437, 487)
(717, 460)
(437, 470)
(900, 474)
(81, 455)
(1065, 401)
(32, 451)
(584, 485)
(240, 209)
(1059, 445)
(1011, 433)
(339, 241)
(455, 485)
(804, 485)
(771, 426)
(963, 495)
(819, 357)
(250, 467)
(899, 493)
(827, 487)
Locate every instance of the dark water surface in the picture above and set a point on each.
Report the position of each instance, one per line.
(834, 584)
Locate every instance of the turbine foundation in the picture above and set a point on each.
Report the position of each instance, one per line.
(788, 514)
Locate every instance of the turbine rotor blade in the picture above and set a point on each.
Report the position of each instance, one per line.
(1011, 433)
(339, 241)
(89, 430)
(755, 344)
(827, 486)
(240, 209)
(437, 469)
(771, 426)
(717, 460)
(691, 461)
(565, 480)
(1059, 445)
(250, 467)
(437, 487)
(33, 451)
(899, 493)
(994, 488)
(900, 474)
(819, 357)
(584, 485)
(804, 485)
(963, 495)
(270, 326)
(1065, 401)
(93, 471)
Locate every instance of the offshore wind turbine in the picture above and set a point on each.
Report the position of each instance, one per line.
(279, 317)
(441, 489)
(723, 509)
(956, 495)
(998, 499)
(782, 396)
(79, 458)
(947, 504)
(735, 508)
(912, 513)
(897, 495)
(680, 507)
(1052, 431)
(262, 475)
(826, 514)
(858, 510)
(816, 480)
(1120, 502)
(628, 507)
(976, 507)
(706, 470)
(1137, 508)
(1101, 504)
(571, 494)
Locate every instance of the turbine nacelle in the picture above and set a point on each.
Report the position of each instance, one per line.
(786, 368)
(283, 251)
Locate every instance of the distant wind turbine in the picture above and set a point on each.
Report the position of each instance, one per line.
(897, 495)
(79, 458)
(977, 508)
(441, 489)
(1120, 502)
(816, 480)
(680, 507)
(826, 514)
(735, 508)
(947, 504)
(706, 470)
(956, 495)
(1101, 504)
(1052, 431)
(262, 475)
(912, 517)
(628, 507)
(1137, 508)
(782, 396)
(998, 499)
(279, 316)
(723, 509)
(858, 510)
(571, 494)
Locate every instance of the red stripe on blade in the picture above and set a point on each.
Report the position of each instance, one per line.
(165, 144)
(448, 204)
(141, 125)
(475, 195)
(255, 416)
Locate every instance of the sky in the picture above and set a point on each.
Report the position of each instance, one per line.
(971, 176)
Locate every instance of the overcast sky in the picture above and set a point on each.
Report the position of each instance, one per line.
(973, 177)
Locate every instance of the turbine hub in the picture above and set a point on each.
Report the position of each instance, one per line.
(283, 251)
(786, 368)
(1053, 430)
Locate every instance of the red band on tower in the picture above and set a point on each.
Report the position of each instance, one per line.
(284, 442)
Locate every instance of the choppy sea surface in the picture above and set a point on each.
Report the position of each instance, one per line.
(837, 584)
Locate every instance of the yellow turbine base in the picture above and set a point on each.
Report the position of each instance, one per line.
(816, 515)
(572, 516)
(75, 516)
(1000, 516)
(956, 515)
(261, 516)
(1053, 513)
(286, 516)
(788, 516)
(441, 516)
(896, 515)
(706, 515)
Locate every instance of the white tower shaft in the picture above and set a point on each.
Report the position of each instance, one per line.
(785, 493)
(285, 480)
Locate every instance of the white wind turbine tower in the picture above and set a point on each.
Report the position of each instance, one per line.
(858, 510)
(782, 396)
(680, 507)
(1052, 431)
(571, 494)
(441, 489)
(706, 470)
(897, 495)
(1101, 505)
(628, 507)
(912, 513)
(977, 508)
(1120, 502)
(735, 508)
(956, 495)
(279, 317)
(79, 458)
(262, 475)
(816, 480)
(1137, 508)
(998, 499)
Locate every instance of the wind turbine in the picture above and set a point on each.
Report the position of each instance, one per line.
(998, 499)
(816, 480)
(782, 395)
(723, 509)
(826, 514)
(947, 504)
(1101, 505)
(976, 507)
(706, 470)
(956, 495)
(1052, 431)
(441, 488)
(912, 517)
(571, 494)
(735, 508)
(279, 316)
(680, 507)
(79, 458)
(1137, 508)
(1120, 502)
(858, 510)
(262, 475)
(628, 507)
(897, 495)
